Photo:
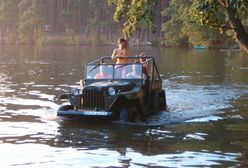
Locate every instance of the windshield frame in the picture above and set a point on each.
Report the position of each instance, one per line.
(116, 71)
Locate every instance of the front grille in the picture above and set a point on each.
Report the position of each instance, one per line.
(93, 98)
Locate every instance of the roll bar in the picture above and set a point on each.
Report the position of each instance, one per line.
(148, 59)
(101, 60)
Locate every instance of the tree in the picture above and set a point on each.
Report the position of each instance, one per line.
(181, 30)
(8, 18)
(172, 27)
(225, 14)
(133, 11)
(31, 20)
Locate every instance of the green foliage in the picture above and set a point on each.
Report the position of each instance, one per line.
(30, 20)
(187, 22)
(182, 30)
(184, 19)
(173, 26)
(133, 12)
(207, 12)
(225, 14)
(8, 14)
(215, 13)
(244, 15)
(202, 35)
(8, 18)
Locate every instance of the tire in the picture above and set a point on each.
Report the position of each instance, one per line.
(124, 114)
(66, 107)
(162, 101)
(127, 114)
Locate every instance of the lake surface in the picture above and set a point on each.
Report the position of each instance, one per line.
(206, 126)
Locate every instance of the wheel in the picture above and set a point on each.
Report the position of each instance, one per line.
(124, 114)
(66, 107)
(162, 101)
(127, 113)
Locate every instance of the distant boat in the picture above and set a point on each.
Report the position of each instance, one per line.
(234, 46)
(200, 47)
(149, 43)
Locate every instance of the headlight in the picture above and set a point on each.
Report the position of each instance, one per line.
(75, 92)
(111, 91)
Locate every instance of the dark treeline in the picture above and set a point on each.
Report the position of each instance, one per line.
(79, 22)
(30, 20)
(40, 21)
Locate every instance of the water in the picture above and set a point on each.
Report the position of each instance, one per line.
(206, 126)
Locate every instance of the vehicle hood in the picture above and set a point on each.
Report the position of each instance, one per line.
(119, 85)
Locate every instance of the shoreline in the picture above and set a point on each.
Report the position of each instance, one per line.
(112, 44)
(63, 40)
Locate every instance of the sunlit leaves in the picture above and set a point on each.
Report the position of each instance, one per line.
(225, 14)
(182, 28)
(208, 12)
(133, 12)
(214, 12)
(174, 25)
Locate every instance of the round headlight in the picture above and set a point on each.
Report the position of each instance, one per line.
(75, 92)
(111, 91)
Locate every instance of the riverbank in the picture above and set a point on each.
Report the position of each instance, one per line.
(103, 40)
(72, 40)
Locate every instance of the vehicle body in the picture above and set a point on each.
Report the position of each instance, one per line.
(118, 95)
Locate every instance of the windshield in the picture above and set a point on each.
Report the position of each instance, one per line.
(99, 71)
(116, 71)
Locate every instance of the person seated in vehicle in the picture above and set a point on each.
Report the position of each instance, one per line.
(103, 73)
(143, 60)
(136, 72)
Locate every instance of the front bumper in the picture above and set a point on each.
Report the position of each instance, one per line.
(84, 113)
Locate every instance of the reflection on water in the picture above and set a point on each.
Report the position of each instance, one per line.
(205, 126)
(44, 156)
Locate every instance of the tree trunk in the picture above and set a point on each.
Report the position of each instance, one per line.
(241, 36)
(142, 34)
(1, 34)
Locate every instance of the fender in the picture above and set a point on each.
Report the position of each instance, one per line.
(64, 96)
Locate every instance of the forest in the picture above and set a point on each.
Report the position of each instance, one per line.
(170, 23)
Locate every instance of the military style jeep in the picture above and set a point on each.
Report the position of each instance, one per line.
(125, 92)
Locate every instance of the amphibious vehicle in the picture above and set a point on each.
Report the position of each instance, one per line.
(125, 92)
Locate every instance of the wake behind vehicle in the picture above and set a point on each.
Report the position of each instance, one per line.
(125, 92)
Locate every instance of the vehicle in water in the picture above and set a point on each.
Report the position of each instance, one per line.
(125, 92)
